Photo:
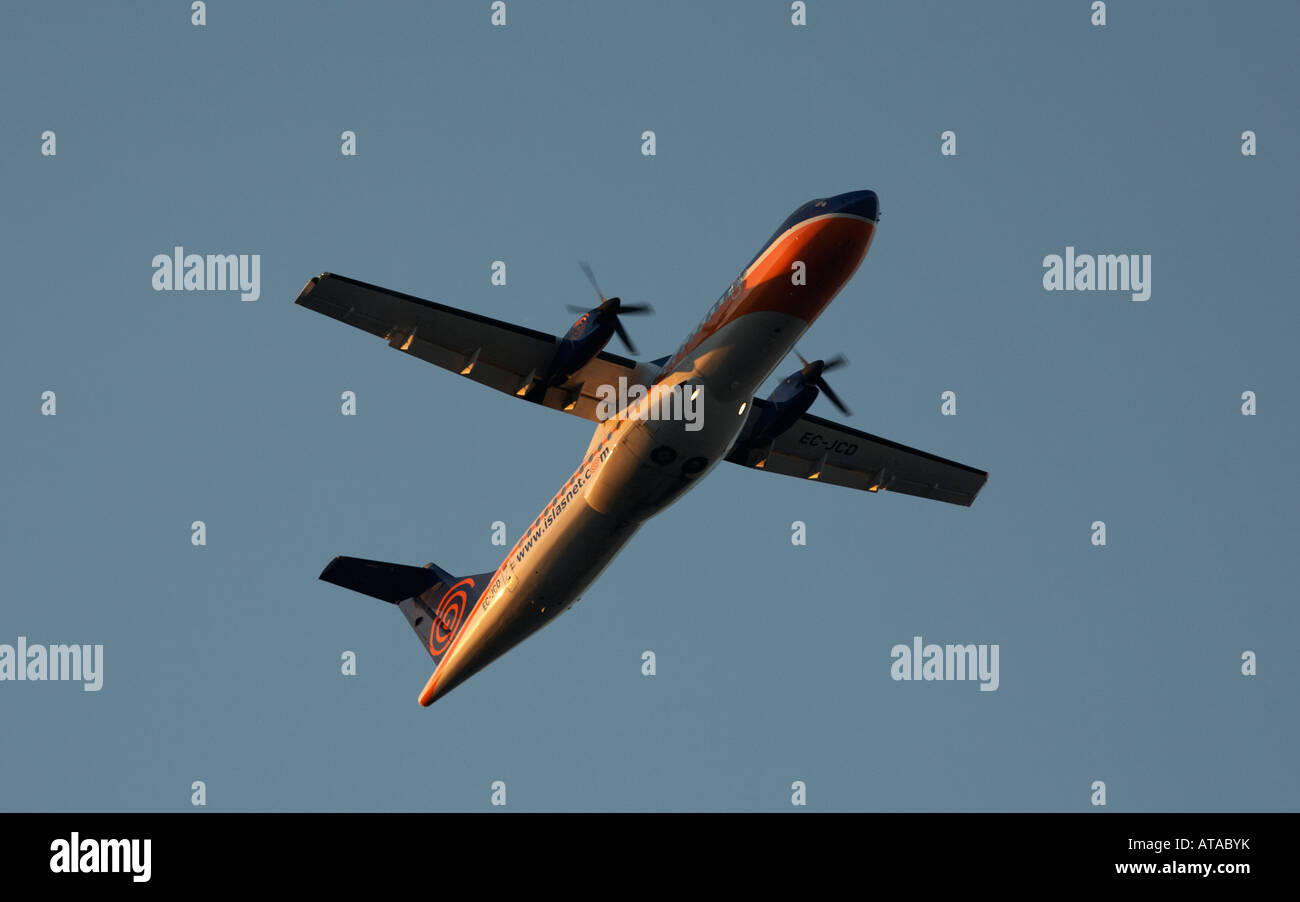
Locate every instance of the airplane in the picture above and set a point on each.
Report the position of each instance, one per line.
(636, 463)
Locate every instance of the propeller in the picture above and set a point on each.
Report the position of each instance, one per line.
(611, 307)
(812, 372)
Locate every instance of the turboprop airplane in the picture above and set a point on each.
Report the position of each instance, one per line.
(684, 414)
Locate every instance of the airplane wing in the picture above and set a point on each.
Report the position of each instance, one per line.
(498, 354)
(818, 449)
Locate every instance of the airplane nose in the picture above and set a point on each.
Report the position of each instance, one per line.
(858, 203)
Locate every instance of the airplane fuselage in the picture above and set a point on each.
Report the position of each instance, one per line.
(636, 464)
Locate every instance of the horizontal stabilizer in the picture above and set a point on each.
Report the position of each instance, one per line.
(382, 580)
(435, 603)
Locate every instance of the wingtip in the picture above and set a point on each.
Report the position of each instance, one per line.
(307, 289)
(324, 574)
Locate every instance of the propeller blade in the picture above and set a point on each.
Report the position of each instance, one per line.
(574, 308)
(622, 334)
(834, 363)
(821, 383)
(610, 308)
(800, 356)
(591, 277)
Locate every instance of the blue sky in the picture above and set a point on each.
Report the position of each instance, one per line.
(221, 663)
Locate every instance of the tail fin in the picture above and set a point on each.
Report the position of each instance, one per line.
(435, 603)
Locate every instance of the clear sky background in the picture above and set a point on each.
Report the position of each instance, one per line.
(222, 663)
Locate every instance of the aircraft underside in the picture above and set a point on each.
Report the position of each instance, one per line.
(686, 413)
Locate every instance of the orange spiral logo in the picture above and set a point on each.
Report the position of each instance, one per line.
(447, 617)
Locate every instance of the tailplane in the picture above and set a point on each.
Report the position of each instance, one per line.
(436, 604)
